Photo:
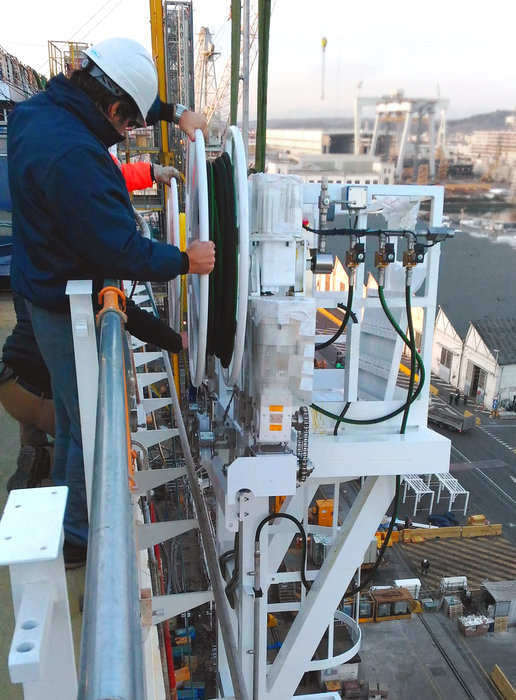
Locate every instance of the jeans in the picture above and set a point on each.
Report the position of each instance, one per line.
(53, 333)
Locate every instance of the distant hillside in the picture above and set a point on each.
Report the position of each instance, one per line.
(311, 123)
(492, 121)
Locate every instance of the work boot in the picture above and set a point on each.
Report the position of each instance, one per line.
(33, 466)
(74, 555)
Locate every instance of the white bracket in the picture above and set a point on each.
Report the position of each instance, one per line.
(273, 475)
(153, 533)
(166, 606)
(152, 478)
(31, 539)
(30, 638)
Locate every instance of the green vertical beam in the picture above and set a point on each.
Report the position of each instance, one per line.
(236, 20)
(264, 21)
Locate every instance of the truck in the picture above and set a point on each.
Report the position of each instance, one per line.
(448, 417)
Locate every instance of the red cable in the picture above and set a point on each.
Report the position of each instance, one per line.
(166, 629)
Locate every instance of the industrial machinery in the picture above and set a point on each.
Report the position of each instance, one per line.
(281, 428)
(260, 428)
(267, 429)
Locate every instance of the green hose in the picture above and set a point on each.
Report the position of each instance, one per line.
(410, 400)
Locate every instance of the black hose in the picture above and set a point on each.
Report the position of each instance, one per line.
(413, 354)
(301, 529)
(233, 581)
(340, 330)
(381, 419)
(371, 573)
(358, 232)
(413, 351)
(341, 417)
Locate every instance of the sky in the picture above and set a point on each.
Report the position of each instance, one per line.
(461, 52)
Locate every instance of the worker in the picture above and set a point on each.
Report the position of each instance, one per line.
(73, 219)
(457, 397)
(425, 565)
(25, 390)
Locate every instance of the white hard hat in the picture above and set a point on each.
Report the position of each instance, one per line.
(130, 67)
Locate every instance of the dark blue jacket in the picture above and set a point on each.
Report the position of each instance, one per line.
(72, 216)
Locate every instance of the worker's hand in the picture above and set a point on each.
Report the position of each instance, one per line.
(165, 173)
(184, 338)
(190, 121)
(201, 255)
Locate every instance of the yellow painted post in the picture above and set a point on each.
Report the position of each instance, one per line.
(501, 681)
(158, 55)
(182, 246)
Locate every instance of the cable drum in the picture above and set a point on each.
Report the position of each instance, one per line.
(234, 147)
(217, 209)
(197, 228)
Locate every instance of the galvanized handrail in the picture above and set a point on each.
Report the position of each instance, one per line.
(111, 663)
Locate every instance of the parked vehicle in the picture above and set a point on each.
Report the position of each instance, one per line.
(449, 417)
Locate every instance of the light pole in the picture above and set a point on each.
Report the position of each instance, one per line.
(496, 383)
(496, 399)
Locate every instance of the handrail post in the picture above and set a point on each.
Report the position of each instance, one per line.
(86, 367)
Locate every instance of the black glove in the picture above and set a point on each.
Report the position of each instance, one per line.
(151, 329)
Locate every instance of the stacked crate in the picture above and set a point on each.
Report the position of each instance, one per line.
(378, 691)
(501, 624)
(474, 625)
(452, 606)
(350, 689)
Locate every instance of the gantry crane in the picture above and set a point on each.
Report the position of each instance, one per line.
(213, 96)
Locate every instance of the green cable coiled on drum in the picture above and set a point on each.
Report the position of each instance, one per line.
(224, 278)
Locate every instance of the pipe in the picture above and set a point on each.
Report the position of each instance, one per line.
(111, 664)
(257, 602)
(235, 59)
(264, 19)
(245, 78)
(224, 620)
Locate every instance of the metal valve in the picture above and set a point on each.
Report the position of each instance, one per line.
(414, 256)
(355, 255)
(385, 255)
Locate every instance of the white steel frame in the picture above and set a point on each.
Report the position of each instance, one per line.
(420, 489)
(378, 452)
(447, 482)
